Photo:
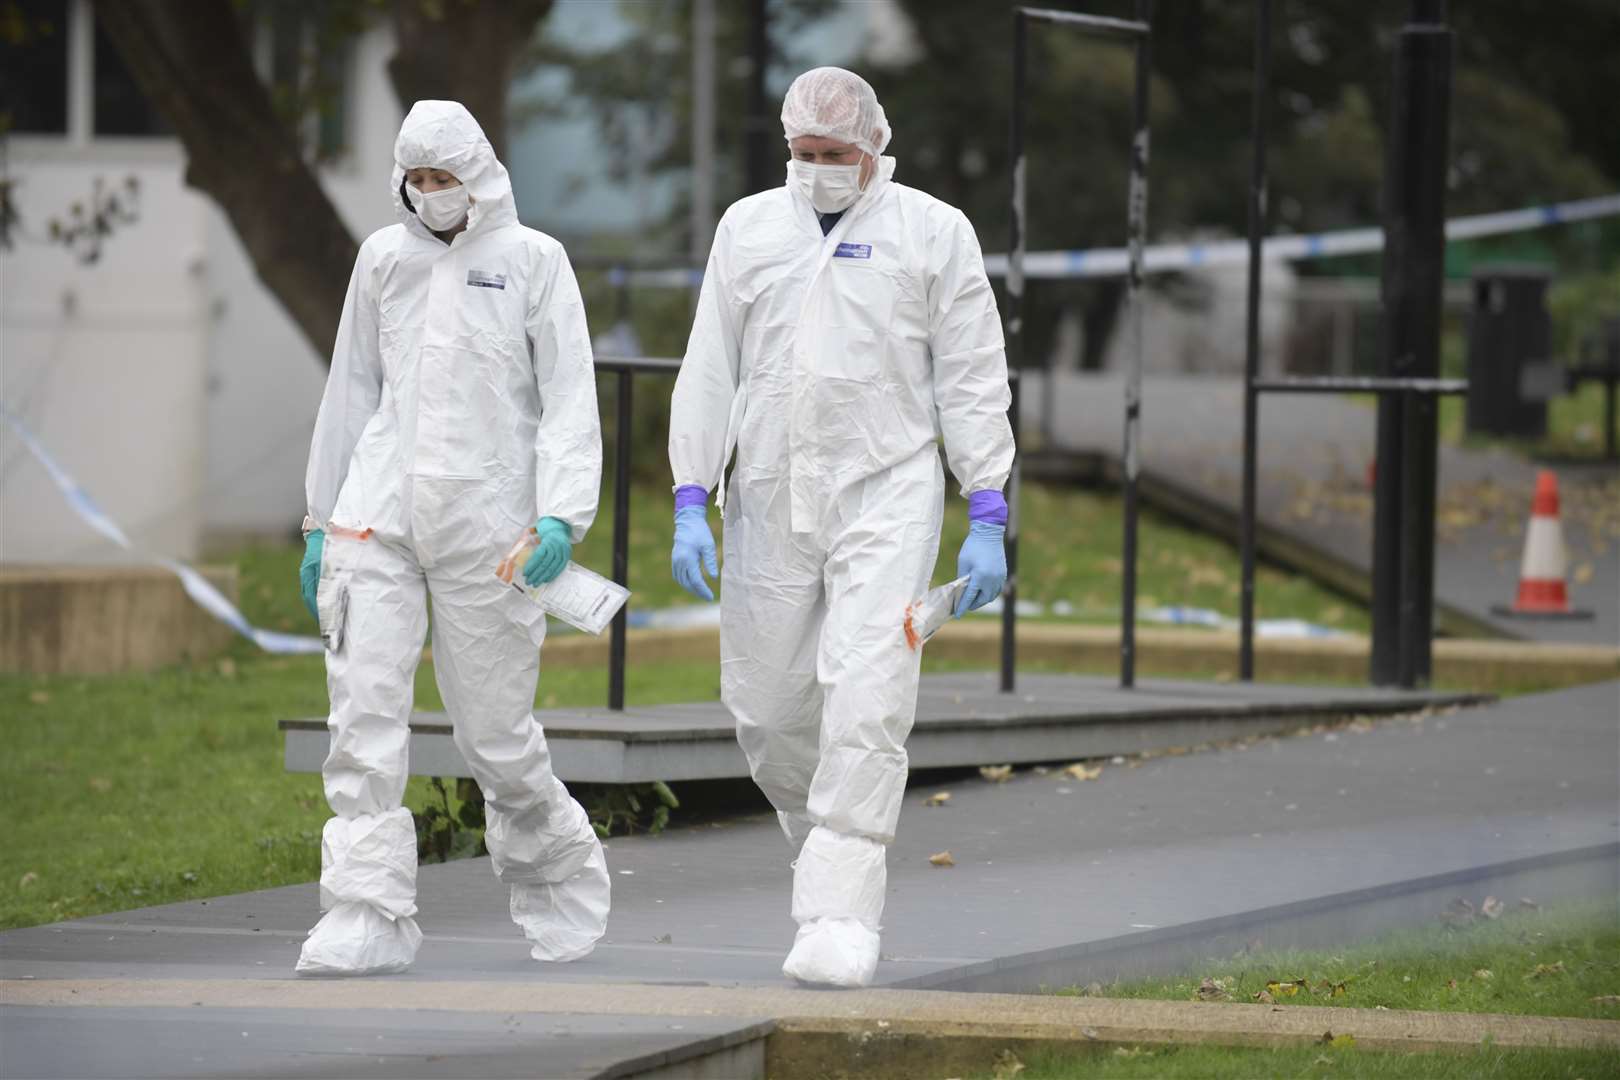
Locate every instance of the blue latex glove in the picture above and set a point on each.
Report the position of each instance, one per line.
(309, 571)
(983, 561)
(694, 551)
(552, 553)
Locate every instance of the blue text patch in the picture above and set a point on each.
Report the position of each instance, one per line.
(483, 279)
(853, 251)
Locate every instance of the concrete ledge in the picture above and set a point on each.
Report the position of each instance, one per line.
(862, 1014)
(103, 620)
(1479, 664)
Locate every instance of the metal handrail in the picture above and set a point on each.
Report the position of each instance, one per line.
(626, 368)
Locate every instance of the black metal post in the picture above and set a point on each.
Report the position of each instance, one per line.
(1137, 232)
(1251, 361)
(1413, 276)
(621, 535)
(757, 122)
(1009, 595)
(1015, 337)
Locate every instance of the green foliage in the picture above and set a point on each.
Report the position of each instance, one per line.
(627, 808)
(444, 833)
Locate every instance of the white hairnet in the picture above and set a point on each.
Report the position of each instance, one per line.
(835, 104)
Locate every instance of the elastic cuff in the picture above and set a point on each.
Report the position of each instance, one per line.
(988, 506)
(691, 495)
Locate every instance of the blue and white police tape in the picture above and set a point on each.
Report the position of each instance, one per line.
(1159, 258)
(199, 588)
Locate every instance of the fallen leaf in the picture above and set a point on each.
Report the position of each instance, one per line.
(227, 668)
(1323, 1059)
(1528, 904)
(1606, 999)
(1483, 974)
(27, 880)
(1080, 771)
(943, 858)
(1094, 989)
(1541, 971)
(1131, 1052)
(663, 939)
(1583, 573)
(1287, 988)
(1213, 990)
(100, 784)
(1333, 989)
(1265, 998)
(40, 697)
(1492, 908)
(938, 798)
(997, 774)
(1451, 984)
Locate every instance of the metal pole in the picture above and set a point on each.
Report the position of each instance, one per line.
(757, 123)
(1137, 214)
(1423, 112)
(1251, 365)
(1413, 276)
(1015, 339)
(1009, 595)
(703, 108)
(621, 534)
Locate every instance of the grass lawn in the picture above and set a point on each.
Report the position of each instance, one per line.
(146, 789)
(1558, 962)
(1328, 1062)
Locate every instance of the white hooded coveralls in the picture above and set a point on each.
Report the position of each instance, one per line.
(461, 406)
(832, 365)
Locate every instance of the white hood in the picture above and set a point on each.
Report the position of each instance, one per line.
(444, 135)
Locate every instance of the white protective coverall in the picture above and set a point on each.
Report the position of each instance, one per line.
(461, 406)
(832, 365)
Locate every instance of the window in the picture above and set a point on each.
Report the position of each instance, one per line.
(34, 66)
(120, 107)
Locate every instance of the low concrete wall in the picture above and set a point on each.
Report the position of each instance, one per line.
(102, 620)
(1482, 665)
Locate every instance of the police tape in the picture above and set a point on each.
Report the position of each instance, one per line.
(1161, 258)
(199, 588)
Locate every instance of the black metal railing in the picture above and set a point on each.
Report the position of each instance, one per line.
(625, 370)
(1139, 33)
(1407, 461)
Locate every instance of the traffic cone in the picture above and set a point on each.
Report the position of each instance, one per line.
(1542, 591)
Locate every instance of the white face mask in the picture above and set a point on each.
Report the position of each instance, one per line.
(830, 188)
(439, 210)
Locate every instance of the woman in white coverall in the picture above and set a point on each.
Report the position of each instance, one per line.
(845, 323)
(460, 408)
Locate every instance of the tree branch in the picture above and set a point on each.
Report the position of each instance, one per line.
(191, 61)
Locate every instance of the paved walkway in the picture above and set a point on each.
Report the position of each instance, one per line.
(1314, 450)
(1057, 881)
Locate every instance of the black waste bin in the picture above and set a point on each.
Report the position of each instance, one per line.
(1509, 331)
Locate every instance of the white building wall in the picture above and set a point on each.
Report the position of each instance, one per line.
(164, 377)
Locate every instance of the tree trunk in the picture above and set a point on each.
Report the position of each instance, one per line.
(464, 52)
(191, 61)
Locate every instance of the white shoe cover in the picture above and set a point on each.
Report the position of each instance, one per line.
(354, 938)
(565, 920)
(833, 952)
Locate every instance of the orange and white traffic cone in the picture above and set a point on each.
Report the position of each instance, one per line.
(1542, 591)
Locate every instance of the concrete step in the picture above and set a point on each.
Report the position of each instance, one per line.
(962, 720)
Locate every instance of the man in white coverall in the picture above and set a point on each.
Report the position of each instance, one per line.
(845, 323)
(460, 408)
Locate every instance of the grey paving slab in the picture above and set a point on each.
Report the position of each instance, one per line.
(1314, 450)
(1043, 862)
(215, 1042)
(962, 719)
